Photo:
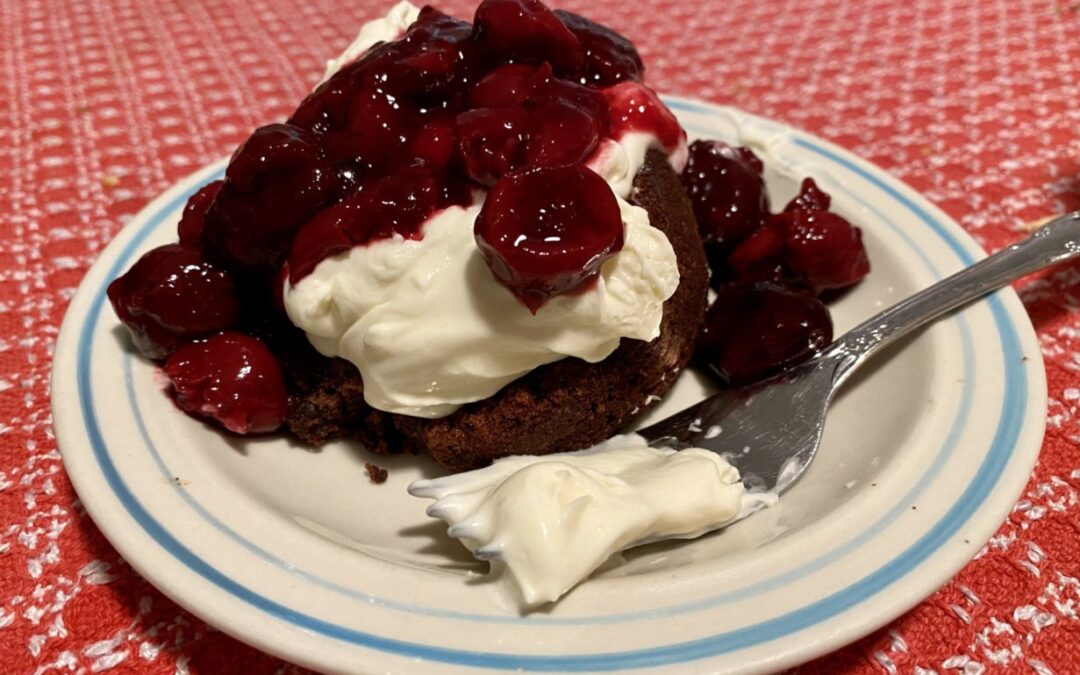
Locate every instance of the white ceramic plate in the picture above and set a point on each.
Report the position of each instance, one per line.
(295, 552)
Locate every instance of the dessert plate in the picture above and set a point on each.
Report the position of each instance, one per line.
(294, 551)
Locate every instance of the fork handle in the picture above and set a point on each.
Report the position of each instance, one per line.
(1055, 242)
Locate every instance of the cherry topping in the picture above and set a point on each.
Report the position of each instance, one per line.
(491, 141)
(762, 255)
(810, 198)
(436, 57)
(321, 238)
(506, 85)
(609, 58)
(562, 133)
(825, 249)
(434, 143)
(548, 231)
(524, 31)
(755, 330)
(276, 181)
(397, 204)
(191, 223)
(378, 124)
(533, 86)
(232, 379)
(726, 190)
(171, 295)
(635, 107)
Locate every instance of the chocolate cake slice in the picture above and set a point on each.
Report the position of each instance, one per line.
(566, 405)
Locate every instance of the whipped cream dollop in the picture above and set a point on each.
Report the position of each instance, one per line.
(428, 325)
(430, 328)
(546, 522)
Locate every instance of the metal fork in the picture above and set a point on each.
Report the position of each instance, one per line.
(771, 431)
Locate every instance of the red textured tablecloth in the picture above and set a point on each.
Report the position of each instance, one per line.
(976, 103)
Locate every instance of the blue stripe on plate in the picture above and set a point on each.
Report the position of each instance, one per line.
(1009, 426)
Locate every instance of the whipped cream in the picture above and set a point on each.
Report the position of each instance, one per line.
(618, 162)
(430, 328)
(547, 522)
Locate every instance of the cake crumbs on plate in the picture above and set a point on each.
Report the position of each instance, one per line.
(376, 474)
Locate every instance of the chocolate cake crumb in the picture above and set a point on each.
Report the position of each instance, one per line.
(376, 474)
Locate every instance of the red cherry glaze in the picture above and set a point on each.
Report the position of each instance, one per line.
(491, 141)
(171, 295)
(727, 192)
(546, 88)
(561, 133)
(434, 60)
(191, 223)
(506, 85)
(608, 58)
(810, 198)
(755, 330)
(761, 256)
(399, 204)
(275, 182)
(437, 58)
(524, 31)
(378, 124)
(635, 107)
(547, 231)
(321, 238)
(825, 249)
(434, 143)
(232, 379)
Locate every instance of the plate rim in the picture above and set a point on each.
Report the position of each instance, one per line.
(965, 247)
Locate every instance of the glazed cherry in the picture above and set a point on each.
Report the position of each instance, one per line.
(532, 86)
(548, 231)
(491, 141)
(171, 295)
(435, 142)
(608, 58)
(561, 133)
(378, 124)
(524, 31)
(635, 107)
(321, 238)
(761, 256)
(437, 57)
(506, 85)
(191, 223)
(726, 190)
(755, 330)
(810, 198)
(275, 182)
(825, 249)
(398, 204)
(232, 379)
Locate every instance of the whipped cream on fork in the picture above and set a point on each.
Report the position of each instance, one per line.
(547, 522)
